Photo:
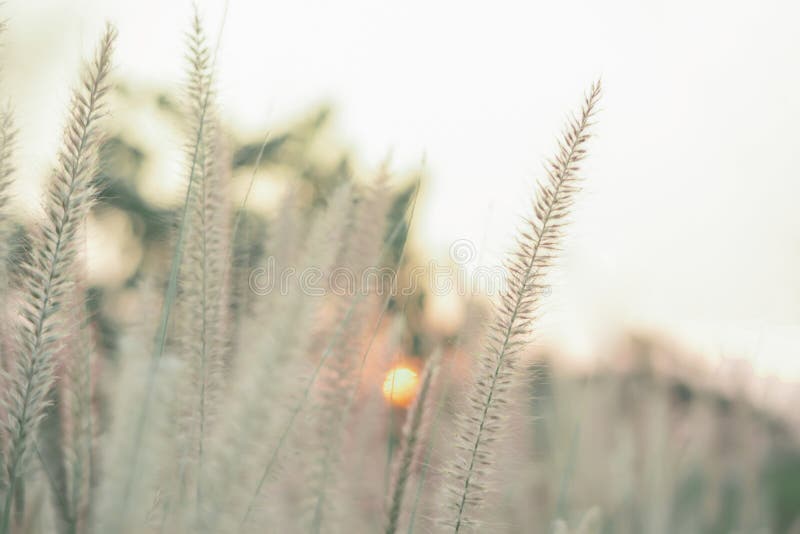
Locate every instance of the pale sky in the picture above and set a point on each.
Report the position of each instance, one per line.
(687, 225)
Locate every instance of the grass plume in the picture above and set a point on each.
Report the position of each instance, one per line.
(340, 372)
(537, 245)
(199, 94)
(47, 282)
(7, 144)
(204, 300)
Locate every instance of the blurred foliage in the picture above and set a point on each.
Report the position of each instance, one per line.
(303, 157)
(656, 447)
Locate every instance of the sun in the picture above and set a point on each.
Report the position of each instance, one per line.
(400, 386)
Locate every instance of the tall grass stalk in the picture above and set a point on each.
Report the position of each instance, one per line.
(7, 144)
(172, 283)
(203, 307)
(413, 436)
(47, 282)
(538, 243)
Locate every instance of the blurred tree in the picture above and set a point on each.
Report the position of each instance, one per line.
(301, 162)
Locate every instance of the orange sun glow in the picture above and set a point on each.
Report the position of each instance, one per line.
(400, 386)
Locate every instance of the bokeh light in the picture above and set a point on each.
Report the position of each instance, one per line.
(400, 386)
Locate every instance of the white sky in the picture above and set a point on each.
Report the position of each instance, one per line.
(688, 223)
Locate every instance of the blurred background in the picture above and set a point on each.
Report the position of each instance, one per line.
(681, 267)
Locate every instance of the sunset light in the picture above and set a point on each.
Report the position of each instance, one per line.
(357, 266)
(400, 386)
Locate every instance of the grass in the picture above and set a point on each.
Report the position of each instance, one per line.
(234, 411)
